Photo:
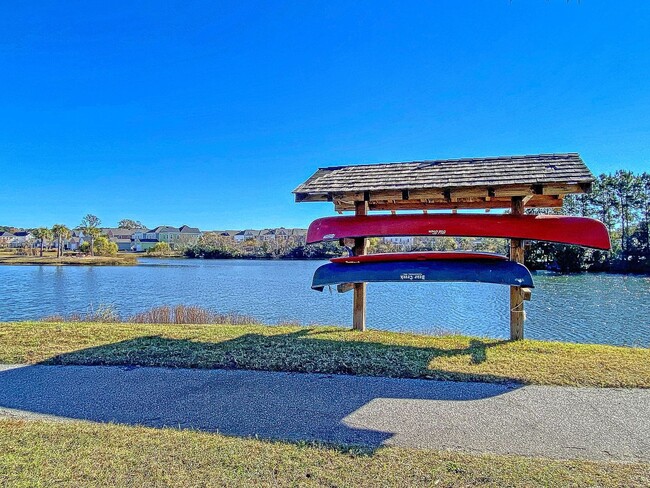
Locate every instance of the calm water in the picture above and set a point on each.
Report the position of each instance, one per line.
(611, 309)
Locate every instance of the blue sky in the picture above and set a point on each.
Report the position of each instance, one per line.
(211, 113)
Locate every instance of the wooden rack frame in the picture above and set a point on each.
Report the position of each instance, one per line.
(511, 182)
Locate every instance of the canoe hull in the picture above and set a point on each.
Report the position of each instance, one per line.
(485, 271)
(581, 231)
(419, 256)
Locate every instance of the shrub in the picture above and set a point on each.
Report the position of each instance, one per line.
(161, 249)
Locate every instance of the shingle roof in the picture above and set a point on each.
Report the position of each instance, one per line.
(493, 171)
(185, 229)
(162, 228)
(120, 231)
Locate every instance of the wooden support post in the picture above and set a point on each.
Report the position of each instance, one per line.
(359, 307)
(517, 313)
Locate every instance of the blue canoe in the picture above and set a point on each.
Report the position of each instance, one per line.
(484, 271)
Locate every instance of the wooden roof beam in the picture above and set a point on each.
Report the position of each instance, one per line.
(531, 201)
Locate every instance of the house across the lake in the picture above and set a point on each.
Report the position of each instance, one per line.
(140, 240)
(264, 235)
(5, 238)
(21, 238)
(180, 237)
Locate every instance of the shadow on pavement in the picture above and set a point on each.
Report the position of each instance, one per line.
(239, 402)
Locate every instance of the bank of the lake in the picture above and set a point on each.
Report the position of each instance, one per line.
(52, 260)
(325, 350)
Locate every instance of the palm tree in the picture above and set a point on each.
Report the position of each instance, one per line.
(90, 227)
(60, 232)
(41, 234)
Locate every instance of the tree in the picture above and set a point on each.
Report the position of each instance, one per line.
(645, 213)
(104, 247)
(627, 191)
(60, 233)
(41, 234)
(604, 200)
(130, 224)
(162, 248)
(90, 227)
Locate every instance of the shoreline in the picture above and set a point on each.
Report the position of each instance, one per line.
(17, 260)
(132, 259)
(325, 350)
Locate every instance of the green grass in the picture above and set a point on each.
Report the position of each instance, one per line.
(52, 260)
(37, 453)
(325, 350)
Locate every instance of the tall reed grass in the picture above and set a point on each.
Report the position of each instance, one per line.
(165, 314)
(184, 314)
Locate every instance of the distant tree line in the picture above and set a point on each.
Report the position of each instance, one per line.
(216, 246)
(621, 200)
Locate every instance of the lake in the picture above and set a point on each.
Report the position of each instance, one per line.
(594, 308)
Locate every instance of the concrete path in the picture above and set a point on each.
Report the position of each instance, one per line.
(556, 422)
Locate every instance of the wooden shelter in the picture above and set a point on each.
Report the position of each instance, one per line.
(510, 182)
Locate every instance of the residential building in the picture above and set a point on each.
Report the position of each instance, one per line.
(6, 238)
(144, 244)
(122, 237)
(175, 237)
(21, 238)
(188, 235)
(247, 235)
(226, 233)
(404, 241)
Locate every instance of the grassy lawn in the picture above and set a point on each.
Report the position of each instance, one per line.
(51, 259)
(37, 453)
(325, 350)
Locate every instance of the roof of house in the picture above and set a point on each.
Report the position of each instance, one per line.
(6, 234)
(437, 180)
(248, 232)
(162, 228)
(119, 231)
(21, 233)
(185, 229)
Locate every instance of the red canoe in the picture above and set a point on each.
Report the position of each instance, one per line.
(581, 231)
(419, 256)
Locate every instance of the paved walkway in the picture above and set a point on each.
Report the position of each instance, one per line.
(554, 422)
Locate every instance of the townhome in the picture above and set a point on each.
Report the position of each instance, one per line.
(282, 233)
(76, 239)
(6, 238)
(299, 235)
(142, 244)
(21, 238)
(227, 233)
(122, 237)
(247, 235)
(404, 241)
(175, 237)
(188, 235)
(267, 235)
